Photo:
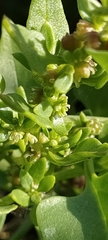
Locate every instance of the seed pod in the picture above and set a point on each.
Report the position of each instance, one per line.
(69, 42)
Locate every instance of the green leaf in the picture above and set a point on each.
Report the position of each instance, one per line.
(86, 149)
(32, 45)
(7, 209)
(7, 63)
(2, 84)
(43, 109)
(6, 115)
(20, 57)
(50, 11)
(39, 119)
(75, 138)
(46, 184)
(6, 200)
(59, 126)
(20, 197)
(63, 83)
(26, 180)
(104, 3)
(19, 74)
(15, 101)
(2, 220)
(48, 33)
(38, 170)
(73, 218)
(87, 8)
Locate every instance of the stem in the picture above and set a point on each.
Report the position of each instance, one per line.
(22, 230)
(89, 169)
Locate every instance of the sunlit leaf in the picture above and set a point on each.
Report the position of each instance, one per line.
(74, 218)
(7, 209)
(51, 11)
(20, 197)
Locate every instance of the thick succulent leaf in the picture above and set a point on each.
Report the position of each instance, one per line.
(26, 179)
(31, 44)
(50, 11)
(7, 209)
(12, 71)
(43, 109)
(38, 170)
(39, 119)
(59, 126)
(7, 63)
(15, 101)
(73, 218)
(86, 149)
(47, 183)
(20, 197)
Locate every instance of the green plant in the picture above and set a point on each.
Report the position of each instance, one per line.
(40, 144)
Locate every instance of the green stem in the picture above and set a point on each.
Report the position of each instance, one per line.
(24, 227)
(89, 168)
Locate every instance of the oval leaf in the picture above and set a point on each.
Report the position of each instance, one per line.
(73, 218)
(20, 197)
(43, 10)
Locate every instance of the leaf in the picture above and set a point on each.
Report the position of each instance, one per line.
(50, 11)
(32, 45)
(73, 218)
(12, 71)
(20, 197)
(6, 200)
(59, 126)
(2, 220)
(6, 115)
(75, 138)
(26, 180)
(104, 3)
(86, 149)
(43, 109)
(63, 83)
(47, 31)
(87, 8)
(15, 101)
(7, 209)
(46, 184)
(39, 119)
(2, 84)
(20, 57)
(37, 170)
(7, 63)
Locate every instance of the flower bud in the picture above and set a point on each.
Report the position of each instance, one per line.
(69, 42)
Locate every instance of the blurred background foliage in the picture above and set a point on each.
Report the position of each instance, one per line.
(84, 98)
